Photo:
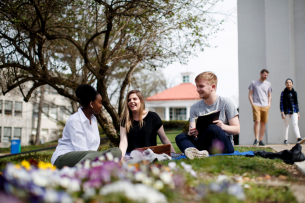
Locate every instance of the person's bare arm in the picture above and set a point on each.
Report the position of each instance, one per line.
(164, 138)
(250, 97)
(123, 141)
(269, 99)
(233, 128)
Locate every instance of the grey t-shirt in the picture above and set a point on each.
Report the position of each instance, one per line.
(225, 105)
(260, 92)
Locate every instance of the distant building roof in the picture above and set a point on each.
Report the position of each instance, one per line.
(184, 91)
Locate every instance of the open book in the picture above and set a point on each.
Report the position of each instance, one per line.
(202, 122)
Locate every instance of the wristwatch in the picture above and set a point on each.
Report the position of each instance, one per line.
(282, 114)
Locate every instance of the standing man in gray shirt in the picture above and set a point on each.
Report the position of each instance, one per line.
(217, 137)
(260, 99)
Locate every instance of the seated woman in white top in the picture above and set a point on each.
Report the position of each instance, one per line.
(139, 128)
(81, 138)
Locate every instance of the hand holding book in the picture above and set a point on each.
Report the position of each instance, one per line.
(205, 120)
(219, 123)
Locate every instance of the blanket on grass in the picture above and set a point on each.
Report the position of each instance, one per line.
(235, 153)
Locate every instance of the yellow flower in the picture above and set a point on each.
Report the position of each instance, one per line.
(43, 165)
(26, 164)
(17, 166)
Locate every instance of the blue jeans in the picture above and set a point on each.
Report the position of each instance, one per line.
(213, 139)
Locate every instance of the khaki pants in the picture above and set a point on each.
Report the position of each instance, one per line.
(260, 113)
(72, 158)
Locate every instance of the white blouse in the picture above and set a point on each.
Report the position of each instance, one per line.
(78, 135)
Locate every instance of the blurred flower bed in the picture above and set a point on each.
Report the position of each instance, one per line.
(107, 180)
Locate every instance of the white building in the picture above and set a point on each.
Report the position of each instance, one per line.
(18, 119)
(271, 35)
(175, 103)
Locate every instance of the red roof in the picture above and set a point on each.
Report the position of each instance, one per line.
(184, 91)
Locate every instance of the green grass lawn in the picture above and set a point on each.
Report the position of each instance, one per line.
(209, 168)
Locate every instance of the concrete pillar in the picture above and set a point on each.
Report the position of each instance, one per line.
(188, 112)
(167, 113)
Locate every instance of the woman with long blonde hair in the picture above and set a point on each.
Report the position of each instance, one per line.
(139, 128)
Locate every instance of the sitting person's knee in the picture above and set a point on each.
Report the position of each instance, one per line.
(180, 136)
(213, 128)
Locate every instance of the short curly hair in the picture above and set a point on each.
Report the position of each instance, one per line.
(86, 94)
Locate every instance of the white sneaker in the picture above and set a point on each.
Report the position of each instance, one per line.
(301, 140)
(192, 153)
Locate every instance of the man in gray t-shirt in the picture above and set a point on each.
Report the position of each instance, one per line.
(260, 99)
(217, 138)
(225, 105)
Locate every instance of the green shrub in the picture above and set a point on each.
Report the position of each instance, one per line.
(168, 125)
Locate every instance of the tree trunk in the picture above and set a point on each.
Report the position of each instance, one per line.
(39, 115)
(74, 106)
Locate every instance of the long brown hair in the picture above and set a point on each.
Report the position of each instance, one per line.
(127, 118)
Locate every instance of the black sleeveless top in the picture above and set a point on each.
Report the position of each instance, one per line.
(147, 135)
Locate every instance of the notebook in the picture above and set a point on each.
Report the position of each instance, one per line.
(158, 149)
(205, 120)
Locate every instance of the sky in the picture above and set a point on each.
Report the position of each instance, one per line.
(222, 60)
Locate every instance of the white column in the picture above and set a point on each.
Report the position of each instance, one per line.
(167, 113)
(188, 111)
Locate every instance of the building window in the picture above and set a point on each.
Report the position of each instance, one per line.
(180, 113)
(17, 134)
(61, 113)
(35, 110)
(171, 114)
(1, 106)
(7, 134)
(8, 108)
(18, 108)
(186, 79)
(53, 113)
(53, 135)
(45, 111)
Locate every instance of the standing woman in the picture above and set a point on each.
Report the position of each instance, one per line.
(290, 109)
(81, 137)
(139, 128)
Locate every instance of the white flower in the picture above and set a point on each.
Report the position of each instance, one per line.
(116, 159)
(222, 178)
(109, 156)
(89, 192)
(172, 165)
(74, 186)
(135, 192)
(155, 170)
(158, 185)
(187, 167)
(87, 164)
(139, 176)
(65, 182)
(50, 196)
(66, 198)
(193, 173)
(148, 180)
(166, 177)
(39, 180)
(102, 158)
